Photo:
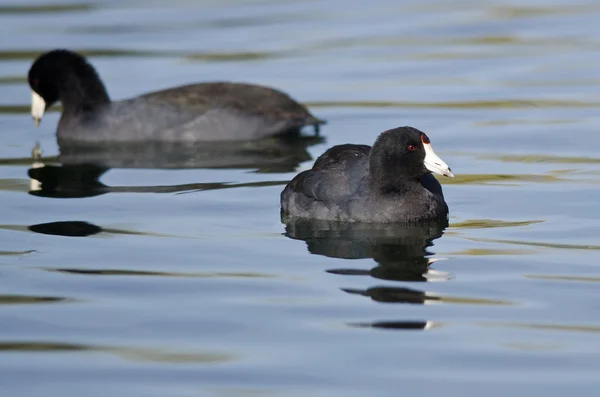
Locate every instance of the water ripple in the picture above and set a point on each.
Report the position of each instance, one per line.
(412, 296)
(26, 299)
(128, 353)
(126, 272)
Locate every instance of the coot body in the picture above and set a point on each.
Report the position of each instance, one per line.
(387, 183)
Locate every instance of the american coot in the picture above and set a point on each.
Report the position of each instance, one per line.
(390, 182)
(218, 111)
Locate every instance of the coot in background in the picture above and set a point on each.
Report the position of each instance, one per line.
(217, 111)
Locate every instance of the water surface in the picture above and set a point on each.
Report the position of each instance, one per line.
(173, 274)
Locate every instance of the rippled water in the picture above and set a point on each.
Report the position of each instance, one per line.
(171, 273)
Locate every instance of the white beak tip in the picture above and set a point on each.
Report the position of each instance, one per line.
(435, 164)
(38, 107)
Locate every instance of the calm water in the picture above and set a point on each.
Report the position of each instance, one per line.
(171, 274)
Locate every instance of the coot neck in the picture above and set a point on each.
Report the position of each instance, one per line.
(389, 185)
(82, 92)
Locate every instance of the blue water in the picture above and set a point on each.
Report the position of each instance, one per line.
(173, 275)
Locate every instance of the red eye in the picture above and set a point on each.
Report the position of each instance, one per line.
(411, 148)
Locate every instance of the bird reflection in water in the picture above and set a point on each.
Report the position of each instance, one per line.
(278, 154)
(400, 252)
(77, 172)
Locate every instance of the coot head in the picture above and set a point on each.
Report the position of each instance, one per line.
(402, 154)
(62, 75)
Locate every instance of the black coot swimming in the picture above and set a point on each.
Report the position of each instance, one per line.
(387, 183)
(217, 111)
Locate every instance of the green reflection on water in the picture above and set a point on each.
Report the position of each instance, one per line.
(537, 244)
(126, 272)
(490, 251)
(546, 327)
(585, 279)
(45, 8)
(16, 253)
(461, 179)
(139, 233)
(526, 122)
(14, 185)
(13, 55)
(531, 346)
(25, 161)
(475, 301)
(12, 79)
(513, 12)
(129, 353)
(24, 299)
(230, 56)
(490, 223)
(17, 109)
(541, 158)
(499, 104)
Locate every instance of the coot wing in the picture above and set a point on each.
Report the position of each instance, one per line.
(245, 98)
(336, 174)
